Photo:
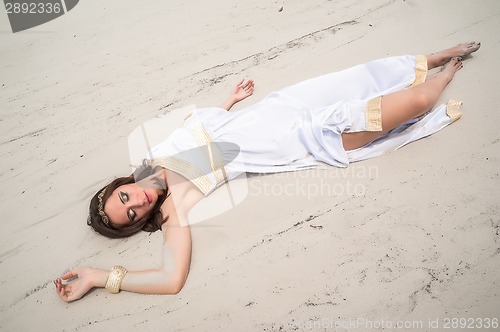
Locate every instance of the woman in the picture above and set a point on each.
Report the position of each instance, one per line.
(336, 119)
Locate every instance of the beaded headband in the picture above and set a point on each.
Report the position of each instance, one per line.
(100, 207)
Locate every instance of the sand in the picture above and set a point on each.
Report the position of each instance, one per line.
(410, 237)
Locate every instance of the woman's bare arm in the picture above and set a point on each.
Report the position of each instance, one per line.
(170, 277)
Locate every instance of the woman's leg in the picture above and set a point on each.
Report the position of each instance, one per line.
(442, 57)
(402, 106)
(359, 82)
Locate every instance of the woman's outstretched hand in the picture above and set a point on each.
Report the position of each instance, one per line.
(241, 91)
(86, 279)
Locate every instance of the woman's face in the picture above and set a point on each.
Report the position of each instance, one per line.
(129, 203)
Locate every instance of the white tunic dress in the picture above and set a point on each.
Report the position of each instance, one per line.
(299, 126)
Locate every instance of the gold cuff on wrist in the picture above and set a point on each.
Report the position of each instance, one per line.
(115, 279)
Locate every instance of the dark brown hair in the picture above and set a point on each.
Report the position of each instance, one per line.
(150, 223)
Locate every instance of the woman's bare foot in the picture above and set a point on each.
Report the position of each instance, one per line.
(461, 50)
(448, 70)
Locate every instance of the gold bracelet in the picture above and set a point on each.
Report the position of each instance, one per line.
(115, 279)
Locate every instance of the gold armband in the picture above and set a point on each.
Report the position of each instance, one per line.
(115, 279)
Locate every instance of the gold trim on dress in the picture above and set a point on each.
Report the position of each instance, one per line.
(190, 171)
(420, 70)
(373, 114)
(452, 110)
(186, 169)
(213, 153)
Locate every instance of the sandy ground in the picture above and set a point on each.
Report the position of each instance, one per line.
(409, 237)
